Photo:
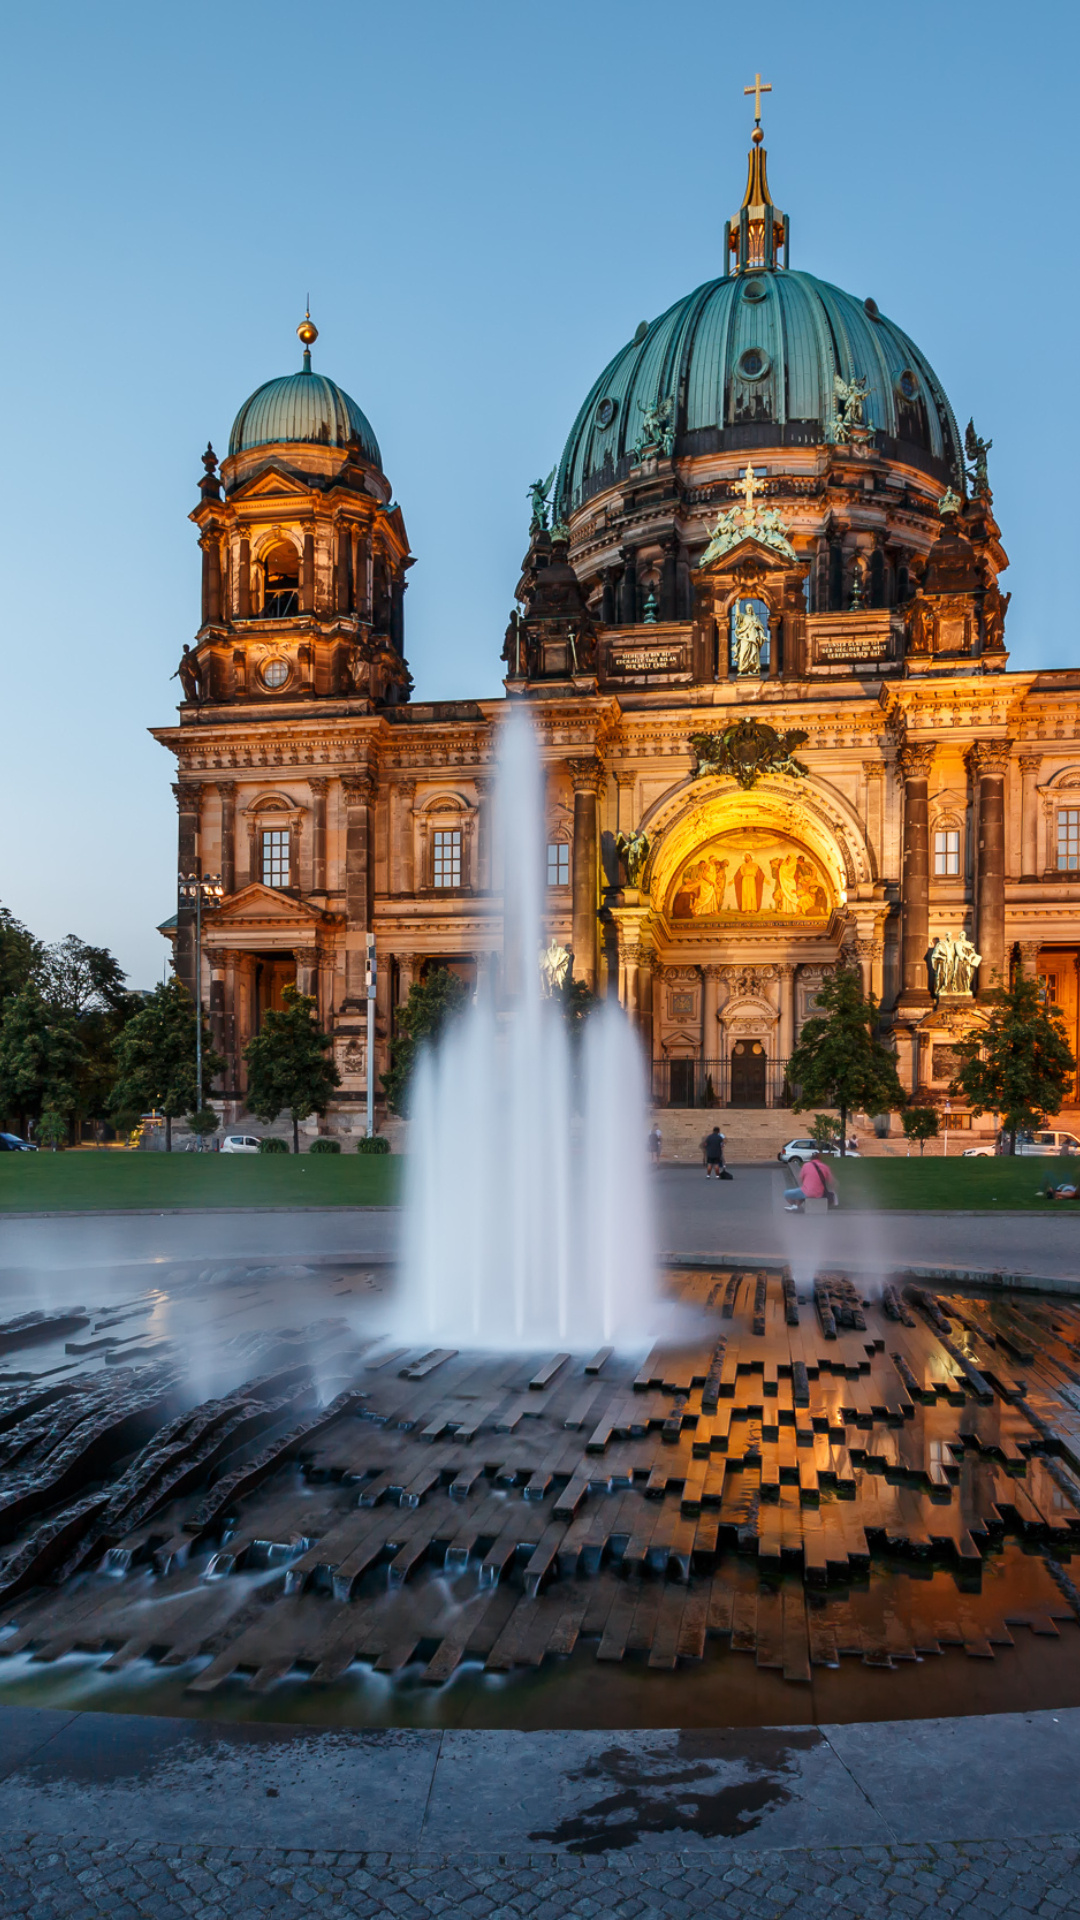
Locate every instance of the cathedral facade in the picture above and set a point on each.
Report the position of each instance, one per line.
(760, 633)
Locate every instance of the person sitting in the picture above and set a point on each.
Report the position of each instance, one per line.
(815, 1183)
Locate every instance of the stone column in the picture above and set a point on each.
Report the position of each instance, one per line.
(244, 580)
(484, 785)
(359, 791)
(1029, 958)
(341, 571)
(915, 761)
(227, 793)
(646, 958)
(588, 778)
(628, 589)
(625, 783)
(401, 797)
(865, 947)
(1030, 765)
(785, 974)
(307, 969)
(189, 856)
(230, 960)
(216, 1008)
(874, 775)
(631, 961)
(318, 787)
(307, 574)
(710, 1029)
(987, 763)
(211, 547)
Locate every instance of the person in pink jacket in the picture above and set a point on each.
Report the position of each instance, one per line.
(815, 1183)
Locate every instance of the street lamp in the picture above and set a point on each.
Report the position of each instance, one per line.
(193, 890)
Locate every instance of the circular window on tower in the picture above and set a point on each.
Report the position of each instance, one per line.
(753, 364)
(274, 672)
(754, 289)
(908, 385)
(606, 411)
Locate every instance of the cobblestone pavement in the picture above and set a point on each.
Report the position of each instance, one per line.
(41, 1879)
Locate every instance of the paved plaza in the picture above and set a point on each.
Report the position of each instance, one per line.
(119, 1816)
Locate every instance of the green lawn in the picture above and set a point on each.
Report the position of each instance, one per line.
(936, 1183)
(157, 1180)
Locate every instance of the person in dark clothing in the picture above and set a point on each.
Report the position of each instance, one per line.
(713, 1148)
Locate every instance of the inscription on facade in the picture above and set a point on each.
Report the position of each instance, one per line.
(854, 649)
(647, 659)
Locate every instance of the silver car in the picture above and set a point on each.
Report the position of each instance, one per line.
(240, 1143)
(1047, 1145)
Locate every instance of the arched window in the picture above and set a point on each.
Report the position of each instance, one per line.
(281, 582)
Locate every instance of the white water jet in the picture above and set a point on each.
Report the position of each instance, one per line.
(528, 1213)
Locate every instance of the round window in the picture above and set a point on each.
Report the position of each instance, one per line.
(908, 385)
(606, 411)
(275, 672)
(753, 364)
(754, 290)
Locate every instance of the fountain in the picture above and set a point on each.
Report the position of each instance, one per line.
(528, 1215)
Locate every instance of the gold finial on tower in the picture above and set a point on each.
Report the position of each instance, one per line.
(759, 87)
(307, 332)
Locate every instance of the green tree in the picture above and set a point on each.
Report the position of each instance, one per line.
(288, 1068)
(921, 1124)
(839, 1061)
(825, 1130)
(155, 1057)
(1019, 1064)
(84, 985)
(431, 1003)
(40, 1058)
(19, 955)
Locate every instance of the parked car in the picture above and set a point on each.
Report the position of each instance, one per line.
(798, 1151)
(978, 1153)
(240, 1143)
(1047, 1145)
(11, 1143)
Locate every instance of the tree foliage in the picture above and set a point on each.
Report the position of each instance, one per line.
(288, 1067)
(921, 1124)
(431, 1004)
(155, 1057)
(839, 1061)
(19, 955)
(1019, 1064)
(40, 1059)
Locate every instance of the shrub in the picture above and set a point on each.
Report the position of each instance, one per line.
(325, 1145)
(273, 1143)
(373, 1143)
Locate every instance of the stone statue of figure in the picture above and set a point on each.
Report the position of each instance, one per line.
(633, 850)
(538, 496)
(554, 963)
(657, 429)
(977, 449)
(954, 960)
(995, 607)
(850, 401)
(750, 638)
(189, 674)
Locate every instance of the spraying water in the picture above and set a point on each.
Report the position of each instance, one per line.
(528, 1204)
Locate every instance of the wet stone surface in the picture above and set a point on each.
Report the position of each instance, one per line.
(814, 1481)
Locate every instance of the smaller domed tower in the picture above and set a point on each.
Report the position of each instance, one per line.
(304, 555)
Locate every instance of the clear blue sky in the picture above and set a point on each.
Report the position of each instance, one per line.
(484, 200)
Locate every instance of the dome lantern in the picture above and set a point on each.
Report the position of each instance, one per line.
(758, 236)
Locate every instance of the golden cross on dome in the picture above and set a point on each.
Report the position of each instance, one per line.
(759, 87)
(749, 486)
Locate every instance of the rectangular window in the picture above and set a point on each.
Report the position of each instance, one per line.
(1068, 839)
(947, 853)
(275, 858)
(447, 867)
(1048, 987)
(558, 864)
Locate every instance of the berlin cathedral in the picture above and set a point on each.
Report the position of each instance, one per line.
(760, 634)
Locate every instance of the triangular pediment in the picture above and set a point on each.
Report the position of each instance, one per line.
(747, 550)
(257, 905)
(271, 482)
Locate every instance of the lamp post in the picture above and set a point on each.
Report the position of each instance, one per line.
(193, 889)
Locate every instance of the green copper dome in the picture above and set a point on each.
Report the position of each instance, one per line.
(750, 361)
(303, 407)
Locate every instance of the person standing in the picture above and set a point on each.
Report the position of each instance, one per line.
(713, 1149)
(655, 1143)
